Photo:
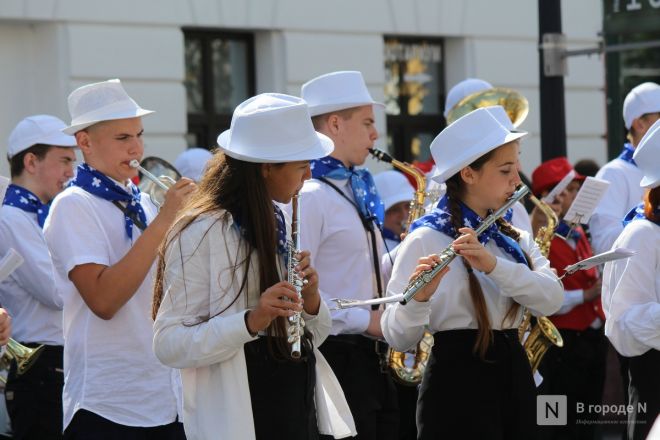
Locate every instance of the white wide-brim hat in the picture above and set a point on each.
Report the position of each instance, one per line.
(273, 128)
(469, 138)
(464, 88)
(192, 163)
(98, 102)
(38, 129)
(393, 187)
(643, 99)
(647, 157)
(336, 91)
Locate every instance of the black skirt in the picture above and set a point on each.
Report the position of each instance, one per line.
(282, 392)
(643, 393)
(463, 396)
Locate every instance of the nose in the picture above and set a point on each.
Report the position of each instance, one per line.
(308, 173)
(516, 178)
(374, 133)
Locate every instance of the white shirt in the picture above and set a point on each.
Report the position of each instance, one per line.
(109, 365)
(216, 390)
(450, 307)
(520, 218)
(623, 194)
(631, 291)
(29, 294)
(332, 231)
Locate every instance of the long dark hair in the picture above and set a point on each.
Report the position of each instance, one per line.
(455, 193)
(238, 187)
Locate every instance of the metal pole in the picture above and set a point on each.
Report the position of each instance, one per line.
(553, 116)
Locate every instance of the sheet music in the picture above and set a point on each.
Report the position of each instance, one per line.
(9, 263)
(587, 199)
(588, 263)
(563, 183)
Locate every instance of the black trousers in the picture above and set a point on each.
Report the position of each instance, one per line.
(369, 389)
(643, 393)
(281, 392)
(89, 426)
(465, 397)
(576, 370)
(34, 399)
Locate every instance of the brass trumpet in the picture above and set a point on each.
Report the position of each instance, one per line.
(156, 187)
(24, 356)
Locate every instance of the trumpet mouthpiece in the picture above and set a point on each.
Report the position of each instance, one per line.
(134, 163)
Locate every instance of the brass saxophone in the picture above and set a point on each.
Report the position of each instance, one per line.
(543, 333)
(296, 322)
(408, 367)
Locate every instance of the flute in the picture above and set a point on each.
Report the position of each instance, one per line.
(446, 257)
(296, 321)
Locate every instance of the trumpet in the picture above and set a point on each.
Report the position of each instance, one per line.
(156, 187)
(446, 257)
(24, 356)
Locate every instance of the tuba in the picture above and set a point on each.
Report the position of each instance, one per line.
(544, 333)
(408, 367)
(514, 103)
(296, 322)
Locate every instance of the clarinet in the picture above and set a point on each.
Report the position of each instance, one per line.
(446, 257)
(296, 327)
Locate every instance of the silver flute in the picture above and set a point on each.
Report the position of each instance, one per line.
(296, 322)
(446, 257)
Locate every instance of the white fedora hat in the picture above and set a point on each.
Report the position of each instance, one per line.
(98, 102)
(643, 99)
(192, 163)
(647, 157)
(393, 187)
(272, 128)
(469, 138)
(38, 129)
(336, 91)
(464, 88)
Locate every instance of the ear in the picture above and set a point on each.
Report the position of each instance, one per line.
(266, 169)
(30, 163)
(468, 175)
(334, 124)
(83, 141)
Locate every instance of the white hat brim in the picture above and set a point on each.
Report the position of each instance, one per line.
(397, 198)
(75, 128)
(316, 110)
(441, 176)
(322, 148)
(650, 182)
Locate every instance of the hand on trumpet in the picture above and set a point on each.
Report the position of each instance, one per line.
(424, 264)
(5, 327)
(175, 197)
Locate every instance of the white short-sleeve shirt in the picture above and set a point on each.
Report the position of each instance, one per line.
(109, 365)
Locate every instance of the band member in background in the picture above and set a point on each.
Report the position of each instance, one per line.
(396, 192)
(41, 161)
(576, 370)
(103, 236)
(341, 230)
(631, 293)
(641, 109)
(192, 162)
(221, 314)
(478, 382)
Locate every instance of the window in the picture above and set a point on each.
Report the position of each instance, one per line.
(414, 95)
(219, 76)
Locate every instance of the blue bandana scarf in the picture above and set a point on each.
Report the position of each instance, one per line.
(281, 230)
(637, 213)
(362, 185)
(440, 220)
(21, 198)
(98, 184)
(390, 235)
(627, 154)
(563, 229)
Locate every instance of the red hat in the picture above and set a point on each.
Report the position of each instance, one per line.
(550, 173)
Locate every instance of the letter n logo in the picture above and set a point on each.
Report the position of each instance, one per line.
(551, 410)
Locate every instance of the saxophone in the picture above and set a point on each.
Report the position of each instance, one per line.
(543, 333)
(296, 322)
(408, 367)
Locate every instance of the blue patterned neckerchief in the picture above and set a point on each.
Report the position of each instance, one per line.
(390, 235)
(627, 154)
(281, 230)
(362, 184)
(440, 220)
(563, 229)
(21, 198)
(100, 185)
(637, 213)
